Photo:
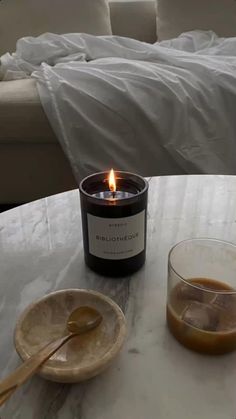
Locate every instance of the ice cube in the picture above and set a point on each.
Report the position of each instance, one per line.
(225, 302)
(202, 316)
(227, 323)
(188, 292)
(226, 306)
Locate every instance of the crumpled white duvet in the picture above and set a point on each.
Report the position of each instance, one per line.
(166, 108)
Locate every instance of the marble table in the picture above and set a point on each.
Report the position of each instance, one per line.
(154, 377)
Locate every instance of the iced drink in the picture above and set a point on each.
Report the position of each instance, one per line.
(200, 320)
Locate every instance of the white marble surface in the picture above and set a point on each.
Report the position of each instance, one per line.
(154, 377)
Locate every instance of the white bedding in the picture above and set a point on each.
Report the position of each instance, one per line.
(115, 102)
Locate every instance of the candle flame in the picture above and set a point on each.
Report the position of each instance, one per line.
(112, 181)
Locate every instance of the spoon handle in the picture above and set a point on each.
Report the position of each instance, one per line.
(29, 367)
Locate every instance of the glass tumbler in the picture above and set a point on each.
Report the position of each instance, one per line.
(201, 300)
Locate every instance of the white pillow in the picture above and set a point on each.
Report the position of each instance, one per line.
(20, 18)
(178, 16)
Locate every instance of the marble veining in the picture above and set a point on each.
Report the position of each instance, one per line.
(41, 250)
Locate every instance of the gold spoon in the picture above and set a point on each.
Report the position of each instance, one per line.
(81, 320)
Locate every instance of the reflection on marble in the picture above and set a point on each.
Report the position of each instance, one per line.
(154, 376)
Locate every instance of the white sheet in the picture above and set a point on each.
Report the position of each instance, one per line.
(155, 109)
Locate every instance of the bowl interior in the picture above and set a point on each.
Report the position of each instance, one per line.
(45, 321)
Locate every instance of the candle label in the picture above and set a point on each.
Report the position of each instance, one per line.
(116, 238)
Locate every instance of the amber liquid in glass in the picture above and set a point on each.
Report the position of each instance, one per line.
(203, 321)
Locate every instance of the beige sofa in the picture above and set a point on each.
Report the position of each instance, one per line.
(32, 163)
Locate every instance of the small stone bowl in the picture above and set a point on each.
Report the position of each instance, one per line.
(84, 356)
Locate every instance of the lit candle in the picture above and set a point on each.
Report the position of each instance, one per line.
(114, 214)
(115, 188)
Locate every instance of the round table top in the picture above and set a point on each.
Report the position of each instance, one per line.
(154, 376)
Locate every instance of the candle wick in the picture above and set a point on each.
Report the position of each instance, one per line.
(113, 194)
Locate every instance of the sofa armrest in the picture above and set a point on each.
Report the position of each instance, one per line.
(22, 118)
(134, 19)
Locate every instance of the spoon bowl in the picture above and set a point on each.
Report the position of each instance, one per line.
(83, 319)
(83, 356)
